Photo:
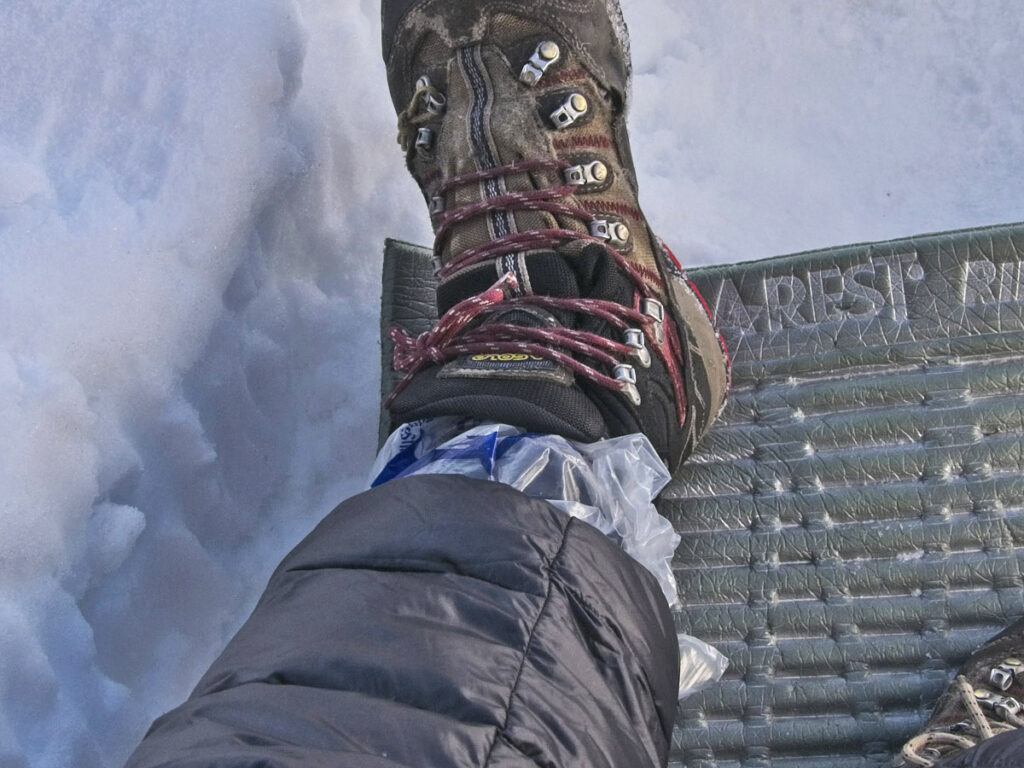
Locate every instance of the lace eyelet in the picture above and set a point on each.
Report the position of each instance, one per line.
(571, 111)
(634, 337)
(546, 54)
(425, 142)
(626, 374)
(655, 310)
(588, 174)
(434, 101)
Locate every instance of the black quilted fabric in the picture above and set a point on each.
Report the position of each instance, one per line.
(853, 525)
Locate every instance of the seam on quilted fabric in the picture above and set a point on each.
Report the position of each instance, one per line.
(500, 731)
(504, 739)
(208, 693)
(589, 606)
(588, 603)
(400, 568)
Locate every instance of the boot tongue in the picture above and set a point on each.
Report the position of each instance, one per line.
(507, 381)
(589, 273)
(543, 273)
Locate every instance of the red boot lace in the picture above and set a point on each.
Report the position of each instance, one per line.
(457, 334)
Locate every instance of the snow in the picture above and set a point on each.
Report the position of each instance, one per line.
(193, 199)
(770, 127)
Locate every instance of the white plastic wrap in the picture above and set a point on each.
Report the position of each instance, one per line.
(610, 484)
(700, 664)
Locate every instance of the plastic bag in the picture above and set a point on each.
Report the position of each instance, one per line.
(610, 484)
(700, 664)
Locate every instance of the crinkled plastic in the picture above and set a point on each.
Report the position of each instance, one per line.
(700, 664)
(610, 484)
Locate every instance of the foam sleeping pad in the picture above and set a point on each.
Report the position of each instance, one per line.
(853, 525)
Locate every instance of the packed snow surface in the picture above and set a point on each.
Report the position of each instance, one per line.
(193, 200)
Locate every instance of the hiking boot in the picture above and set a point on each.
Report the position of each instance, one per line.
(560, 311)
(983, 701)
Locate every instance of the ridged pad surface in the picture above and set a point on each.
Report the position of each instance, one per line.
(853, 525)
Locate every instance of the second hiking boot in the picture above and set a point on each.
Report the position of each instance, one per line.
(560, 311)
(983, 701)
